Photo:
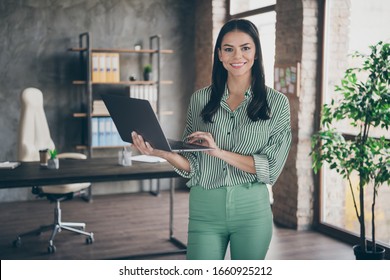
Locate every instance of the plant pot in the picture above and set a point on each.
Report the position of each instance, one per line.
(53, 163)
(369, 255)
(148, 76)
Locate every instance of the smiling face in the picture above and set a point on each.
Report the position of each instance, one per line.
(237, 53)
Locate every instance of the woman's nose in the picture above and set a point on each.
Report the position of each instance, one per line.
(237, 53)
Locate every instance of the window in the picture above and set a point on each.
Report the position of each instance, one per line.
(241, 6)
(351, 26)
(263, 15)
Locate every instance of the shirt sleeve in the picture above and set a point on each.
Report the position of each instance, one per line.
(270, 161)
(190, 156)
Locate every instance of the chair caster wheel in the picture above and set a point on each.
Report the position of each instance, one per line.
(89, 240)
(17, 243)
(51, 249)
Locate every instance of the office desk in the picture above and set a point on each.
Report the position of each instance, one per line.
(30, 174)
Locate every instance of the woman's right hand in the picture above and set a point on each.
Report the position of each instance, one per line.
(145, 148)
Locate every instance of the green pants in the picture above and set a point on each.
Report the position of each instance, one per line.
(238, 214)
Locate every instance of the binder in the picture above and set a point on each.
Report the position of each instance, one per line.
(117, 140)
(115, 67)
(95, 132)
(107, 131)
(147, 92)
(102, 67)
(95, 68)
(102, 134)
(109, 75)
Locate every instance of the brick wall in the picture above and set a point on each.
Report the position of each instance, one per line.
(203, 43)
(219, 16)
(288, 44)
(297, 41)
(210, 16)
(306, 118)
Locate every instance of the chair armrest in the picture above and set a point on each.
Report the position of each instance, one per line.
(72, 156)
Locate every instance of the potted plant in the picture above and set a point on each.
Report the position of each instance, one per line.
(365, 104)
(53, 162)
(148, 72)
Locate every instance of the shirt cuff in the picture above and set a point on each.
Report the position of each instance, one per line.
(262, 168)
(193, 166)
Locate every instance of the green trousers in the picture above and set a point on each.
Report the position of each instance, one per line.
(238, 214)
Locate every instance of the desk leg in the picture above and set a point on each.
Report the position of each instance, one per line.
(151, 191)
(172, 238)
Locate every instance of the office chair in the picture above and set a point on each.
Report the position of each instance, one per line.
(34, 135)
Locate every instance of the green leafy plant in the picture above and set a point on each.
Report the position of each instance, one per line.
(365, 104)
(148, 68)
(53, 153)
(147, 72)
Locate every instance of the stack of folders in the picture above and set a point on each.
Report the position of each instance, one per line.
(105, 67)
(9, 164)
(99, 108)
(105, 133)
(147, 92)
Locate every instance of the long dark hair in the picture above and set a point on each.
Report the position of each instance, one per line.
(258, 107)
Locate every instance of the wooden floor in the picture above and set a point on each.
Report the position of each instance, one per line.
(134, 226)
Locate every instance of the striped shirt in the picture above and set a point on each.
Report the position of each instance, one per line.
(267, 141)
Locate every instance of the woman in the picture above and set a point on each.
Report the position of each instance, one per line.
(248, 126)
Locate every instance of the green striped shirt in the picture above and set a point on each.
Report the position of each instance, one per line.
(268, 141)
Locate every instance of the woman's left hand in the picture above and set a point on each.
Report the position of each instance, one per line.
(243, 162)
(204, 139)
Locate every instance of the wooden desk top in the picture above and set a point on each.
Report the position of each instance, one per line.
(76, 171)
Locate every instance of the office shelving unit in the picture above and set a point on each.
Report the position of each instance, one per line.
(86, 51)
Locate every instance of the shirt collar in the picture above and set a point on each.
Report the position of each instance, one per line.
(225, 93)
(248, 93)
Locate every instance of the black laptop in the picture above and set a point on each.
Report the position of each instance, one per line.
(132, 114)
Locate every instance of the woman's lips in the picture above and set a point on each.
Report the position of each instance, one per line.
(237, 65)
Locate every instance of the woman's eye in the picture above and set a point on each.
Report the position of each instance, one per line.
(228, 49)
(246, 48)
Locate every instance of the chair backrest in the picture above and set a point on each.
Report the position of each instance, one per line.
(34, 133)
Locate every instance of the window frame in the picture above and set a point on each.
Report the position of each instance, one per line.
(248, 13)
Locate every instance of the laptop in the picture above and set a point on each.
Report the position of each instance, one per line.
(132, 114)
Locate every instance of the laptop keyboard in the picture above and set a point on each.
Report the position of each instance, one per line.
(177, 145)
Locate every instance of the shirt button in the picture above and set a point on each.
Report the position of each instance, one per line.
(228, 133)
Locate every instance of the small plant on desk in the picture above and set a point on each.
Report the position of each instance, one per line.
(53, 162)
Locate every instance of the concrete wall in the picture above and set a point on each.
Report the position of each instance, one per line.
(35, 36)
